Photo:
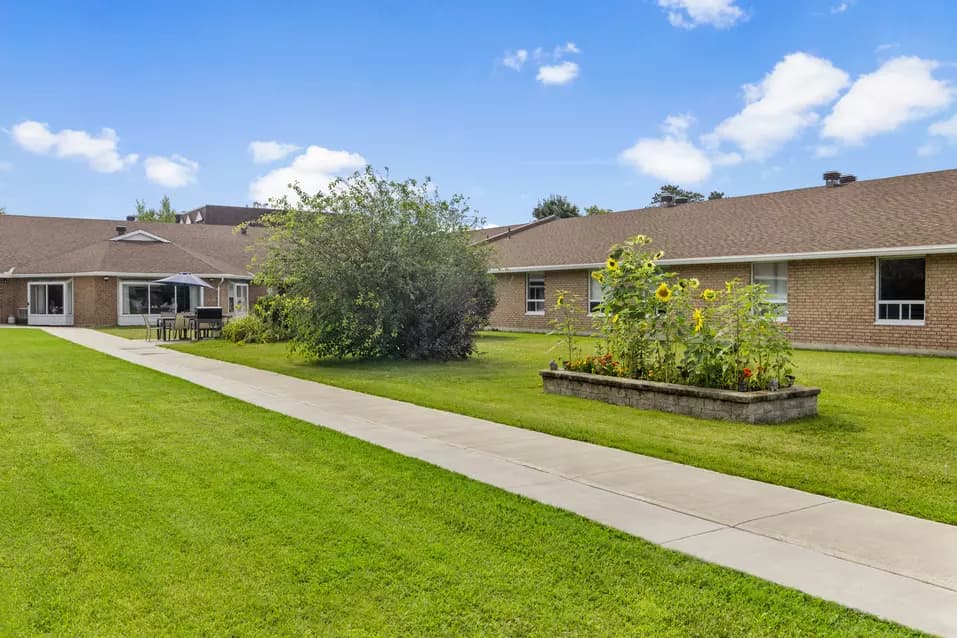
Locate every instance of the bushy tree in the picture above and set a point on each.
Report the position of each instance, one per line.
(595, 209)
(164, 214)
(378, 268)
(557, 205)
(716, 195)
(676, 191)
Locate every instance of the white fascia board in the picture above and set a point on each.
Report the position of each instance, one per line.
(131, 275)
(897, 251)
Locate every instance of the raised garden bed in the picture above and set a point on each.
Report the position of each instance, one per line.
(778, 406)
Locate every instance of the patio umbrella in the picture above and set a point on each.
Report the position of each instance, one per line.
(183, 279)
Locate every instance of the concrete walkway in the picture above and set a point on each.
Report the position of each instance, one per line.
(897, 567)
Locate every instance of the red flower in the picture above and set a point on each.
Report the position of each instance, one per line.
(747, 373)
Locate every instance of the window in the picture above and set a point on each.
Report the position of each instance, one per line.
(535, 293)
(900, 290)
(49, 299)
(774, 275)
(238, 302)
(595, 295)
(153, 299)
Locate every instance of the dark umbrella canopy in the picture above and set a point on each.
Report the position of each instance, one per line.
(183, 279)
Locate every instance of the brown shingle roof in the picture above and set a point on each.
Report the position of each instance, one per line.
(56, 245)
(895, 212)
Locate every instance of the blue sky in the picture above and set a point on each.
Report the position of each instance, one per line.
(608, 100)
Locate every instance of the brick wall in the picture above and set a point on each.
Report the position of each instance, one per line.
(833, 302)
(13, 295)
(830, 302)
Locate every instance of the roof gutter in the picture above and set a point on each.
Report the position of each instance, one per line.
(897, 251)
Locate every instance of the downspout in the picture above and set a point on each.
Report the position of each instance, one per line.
(218, 288)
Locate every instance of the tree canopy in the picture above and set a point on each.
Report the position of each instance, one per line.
(676, 191)
(164, 214)
(595, 209)
(716, 195)
(557, 205)
(373, 267)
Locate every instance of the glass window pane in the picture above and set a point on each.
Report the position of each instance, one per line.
(38, 299)
(183, 296)
(135, 299)
(55, 299)
(162, 299)
(766, 270)
(893, 311)
(902, 279)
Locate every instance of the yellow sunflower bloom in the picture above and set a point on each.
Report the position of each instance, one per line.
(659, 255)
(698, 318)
(693, 282)
(612, 264)
(709, 295)
(663, 293)
(728, 285)
(598, 276)
(614, 318)
(560, 300)
(640, 239)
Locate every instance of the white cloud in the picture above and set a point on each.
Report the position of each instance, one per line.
(173, 171)
(668, 159)
(516, 60)
(568, 47)
(678, 125)
(271, 151)
(561, 73)
(901, 90)
(841, 7)
(782, 105)
(99, 151)
(929, 149)
(945, 128)
(313, 169)
(688, 14)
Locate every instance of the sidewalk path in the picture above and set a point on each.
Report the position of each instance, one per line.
(894, 566)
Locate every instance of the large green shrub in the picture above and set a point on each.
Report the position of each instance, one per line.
(378, 268)
(247, 329)
(661, 327)
(275, 311)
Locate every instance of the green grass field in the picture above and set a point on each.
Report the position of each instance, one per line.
(137, 504)
(886, 435)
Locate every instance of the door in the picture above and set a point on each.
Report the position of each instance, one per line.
(239, 300)
(50, 303)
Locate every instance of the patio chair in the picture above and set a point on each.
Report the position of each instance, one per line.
(150, 328)
(179, 326)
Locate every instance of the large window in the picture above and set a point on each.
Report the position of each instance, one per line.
(141, 298)
(535, 293)
(900, 290)
(49, 299)
(595, 294)
(774, 275)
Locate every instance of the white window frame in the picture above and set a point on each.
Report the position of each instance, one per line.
(909, 302)
(64, 318)
(601, 297)
(776, 299)
(127, 319)
(528, 280)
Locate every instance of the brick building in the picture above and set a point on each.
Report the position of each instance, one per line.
(851, 264)
(87, 272)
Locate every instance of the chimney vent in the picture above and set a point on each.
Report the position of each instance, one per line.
(131, 218)
(848, 179)
(832, 178)
(121, 230)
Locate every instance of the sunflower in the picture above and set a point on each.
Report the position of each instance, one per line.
(709, 295)
(611, 264)
(598, 276)
(614, 318)
(693, 282)
(640, 239)
(560, 300)
(729, 285)
(648, 266)
(698, 317)
(682, 283)
(663, 293)
(659, 255)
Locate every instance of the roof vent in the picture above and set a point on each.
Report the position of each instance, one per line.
(121, 230)
(681, 200)
(667, 201)
(131, 218)
(832, 178)
(848, 179)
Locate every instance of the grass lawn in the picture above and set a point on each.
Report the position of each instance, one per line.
(127, 332)
(886, 435)
(138, 504)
